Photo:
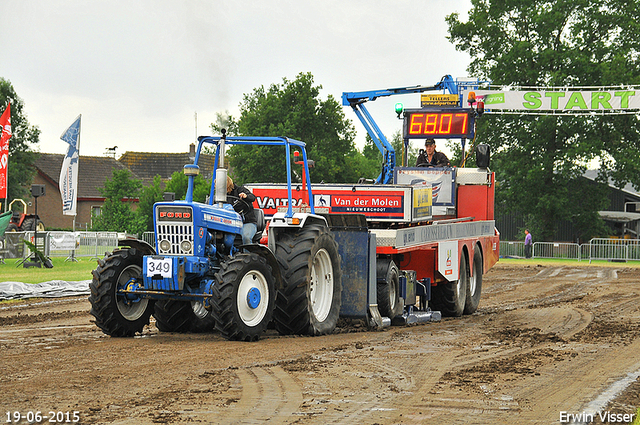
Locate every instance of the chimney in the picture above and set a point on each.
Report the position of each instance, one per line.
(192, 151)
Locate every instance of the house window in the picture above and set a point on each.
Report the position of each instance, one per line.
(96, 211)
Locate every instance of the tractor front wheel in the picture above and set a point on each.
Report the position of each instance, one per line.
(118, 314)
(243, 297)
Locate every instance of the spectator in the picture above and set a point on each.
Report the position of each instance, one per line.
(528, 244)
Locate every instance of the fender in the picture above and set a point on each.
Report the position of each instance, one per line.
(138, 244)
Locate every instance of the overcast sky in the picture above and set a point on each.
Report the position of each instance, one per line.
(139, 70)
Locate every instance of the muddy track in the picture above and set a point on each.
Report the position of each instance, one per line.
(545, 340)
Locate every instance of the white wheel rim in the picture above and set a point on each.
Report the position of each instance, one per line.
(473, 280)
(392, 294)
(463, 272)
(131, 311)
(321, 285)
(254, 280)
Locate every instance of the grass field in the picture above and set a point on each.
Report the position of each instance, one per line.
(69, 271)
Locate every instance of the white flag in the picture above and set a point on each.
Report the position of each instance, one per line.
(68, 183)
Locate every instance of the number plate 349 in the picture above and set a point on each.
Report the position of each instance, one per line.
(159, 266)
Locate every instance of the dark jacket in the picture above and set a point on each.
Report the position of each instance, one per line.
(248, 213)
(439, 160)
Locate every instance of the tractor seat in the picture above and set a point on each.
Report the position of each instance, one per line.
(260, 225)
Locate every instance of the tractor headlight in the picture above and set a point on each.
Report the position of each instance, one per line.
(185, 246)
(165, 245)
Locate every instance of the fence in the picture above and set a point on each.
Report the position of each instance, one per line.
(60, 244)
(596, 249)
(95, 244)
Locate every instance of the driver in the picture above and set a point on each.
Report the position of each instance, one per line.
(245, 208)
(430, 157)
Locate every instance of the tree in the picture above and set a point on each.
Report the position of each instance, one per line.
(539, 159)
(294, 109)
(24, 138)
(398, 145)
(179, 183)
(149, 195)
(116, 214)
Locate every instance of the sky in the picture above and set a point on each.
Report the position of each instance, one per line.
(147, 76)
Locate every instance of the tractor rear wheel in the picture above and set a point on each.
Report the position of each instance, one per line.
(449, 298)
(182, 316)
(31, 224)
(309, 302)
(388, 288)
(243, 297)
(115, 313)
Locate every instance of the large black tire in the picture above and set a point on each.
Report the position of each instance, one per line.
(114, 314)
(449, 298)
(309, 302)
(12, 227)
(474, 288)
(182, 316)
(243, 297)
(30, 224)
(388, 288)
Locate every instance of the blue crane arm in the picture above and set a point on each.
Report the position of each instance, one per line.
(357, 99)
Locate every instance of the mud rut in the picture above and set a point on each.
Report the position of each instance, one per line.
(544, 340)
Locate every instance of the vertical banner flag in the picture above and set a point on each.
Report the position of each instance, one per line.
(68, 183)
(5, 131)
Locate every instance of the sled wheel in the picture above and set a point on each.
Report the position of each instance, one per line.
(182, 316)
(309, 301)
(243, 297)
(388, 288)
(474, 289)
(116, 314)
(449, 298)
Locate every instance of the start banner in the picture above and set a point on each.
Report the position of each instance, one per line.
(569, 101)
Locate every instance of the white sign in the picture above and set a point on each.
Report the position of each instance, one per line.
(448, 260)
(159, 266)
(62, 241)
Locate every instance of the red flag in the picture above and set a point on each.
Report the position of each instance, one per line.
(5, 126)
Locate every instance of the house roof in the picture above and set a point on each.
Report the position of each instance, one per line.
(92, 172)
(629, 188)
(147, 165)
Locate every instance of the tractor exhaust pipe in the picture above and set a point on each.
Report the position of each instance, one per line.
(221, 172)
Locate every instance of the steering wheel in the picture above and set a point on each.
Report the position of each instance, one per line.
(243, 206)
(425, 164)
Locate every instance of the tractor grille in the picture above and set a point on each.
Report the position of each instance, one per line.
(175, 234)
(174, 230)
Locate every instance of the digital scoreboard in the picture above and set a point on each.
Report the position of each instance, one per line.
(438, 123)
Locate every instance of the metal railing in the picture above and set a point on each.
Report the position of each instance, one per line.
(60, 244)
(596, 249)
(556, 250)
(96, 244)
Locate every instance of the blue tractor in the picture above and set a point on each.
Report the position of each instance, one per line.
(199, 276)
